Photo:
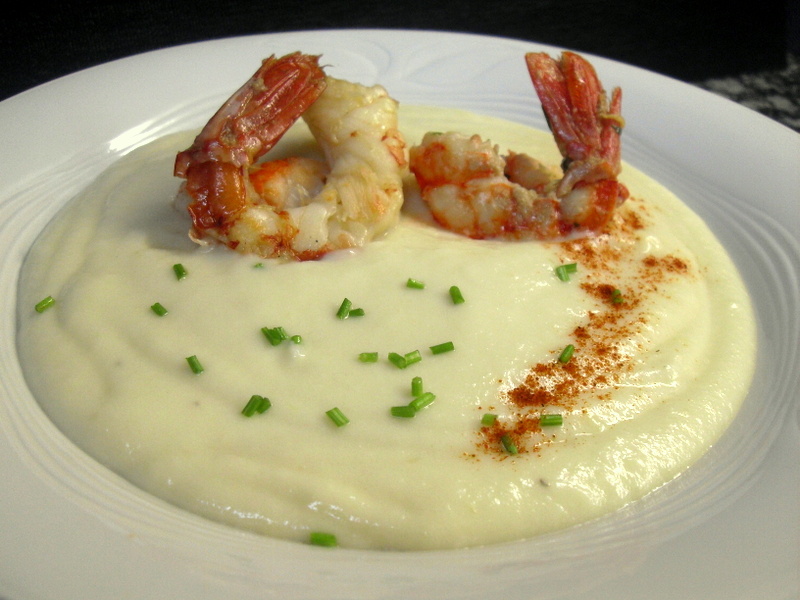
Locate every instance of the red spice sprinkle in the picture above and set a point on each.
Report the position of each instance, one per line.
(604, 337)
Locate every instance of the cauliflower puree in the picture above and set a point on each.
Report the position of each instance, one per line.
(658, 319)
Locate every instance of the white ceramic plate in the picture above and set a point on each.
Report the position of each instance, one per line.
(728, 528)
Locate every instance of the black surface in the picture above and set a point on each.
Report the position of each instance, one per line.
(687, 39)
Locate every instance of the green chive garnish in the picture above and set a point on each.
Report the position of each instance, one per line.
(258, 266)
(405, 412)
(159, 309)
(415, 284)
(356, 312)
(43, 305)
(616, 297)
(422, 401)
(344, 309)
(564, 271)
(328, 540)
(368, 357)
(194, 364)
(275, 335)
(397, 360)
(488, 419)
(566, 354)
(263, 404)
(455, 295)
(180, 271)
(412, 357)
(256, 404)
(551, 420)
(508, 444)
(337, 416)
(416, 386)
(442, 348)
(296, 339)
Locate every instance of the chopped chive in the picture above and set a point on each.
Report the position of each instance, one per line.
(397, 360)
(256, 404)
(488, 419)
(422, 401)
(318, 538)
(415, 284)
(442, 348)
(405, 412)
(264, 404)
(180, 271)
(356, 312)
(412, 357)
(551, 420)
(250, 408)
(368, 357)
(416, 386)
(296, 339)
(159, 309)
(43, 305)
(344, 309)
(564, 271)
(258, 266)
(455, 295)
(566, 354)
(616, 297)
(194, 364)
(508, 444)
(275, 335)
(337, 416)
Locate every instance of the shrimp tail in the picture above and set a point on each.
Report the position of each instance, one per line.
(585, 124)
(257, 115)
(244, 128)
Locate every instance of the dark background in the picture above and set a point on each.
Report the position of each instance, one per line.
(687, 39)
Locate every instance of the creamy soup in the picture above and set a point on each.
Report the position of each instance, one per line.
(518, 438)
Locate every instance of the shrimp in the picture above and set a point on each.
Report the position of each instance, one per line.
(298, 208)
(474, 191)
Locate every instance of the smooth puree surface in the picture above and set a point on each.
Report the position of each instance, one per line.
(653, 382)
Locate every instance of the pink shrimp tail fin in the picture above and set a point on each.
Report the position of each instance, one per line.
(257, 115)
(243, 129)
(585, 125)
